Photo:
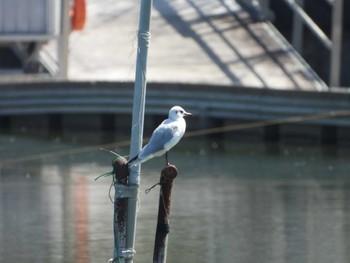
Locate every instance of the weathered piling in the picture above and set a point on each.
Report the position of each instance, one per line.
(167, 176)
(121, 174)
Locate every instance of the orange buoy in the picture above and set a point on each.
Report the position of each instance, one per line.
(78, 14)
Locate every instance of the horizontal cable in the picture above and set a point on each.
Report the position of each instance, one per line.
(196, 133)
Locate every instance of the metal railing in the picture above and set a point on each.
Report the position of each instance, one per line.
(301, 19)
(333, 44)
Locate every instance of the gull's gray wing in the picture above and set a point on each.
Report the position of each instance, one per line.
(162, 135)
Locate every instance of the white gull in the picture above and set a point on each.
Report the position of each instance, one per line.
(164, 137)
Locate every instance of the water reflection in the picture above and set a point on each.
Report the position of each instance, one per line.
(235, 203)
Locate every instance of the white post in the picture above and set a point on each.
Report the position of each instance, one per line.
(298, 26)
(62, 45)
(337, 29)
(138, 119)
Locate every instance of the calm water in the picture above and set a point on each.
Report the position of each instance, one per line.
(232, 202)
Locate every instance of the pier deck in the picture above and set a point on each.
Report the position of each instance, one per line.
(192, 41)
(210, 57)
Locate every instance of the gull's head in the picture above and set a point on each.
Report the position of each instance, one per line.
(177, 112)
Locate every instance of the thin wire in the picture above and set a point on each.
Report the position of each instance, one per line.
(85, 149)
(197, 133)
(149, 189)
(144, 37)
(257, 124)
(131, 55)
(110, 189)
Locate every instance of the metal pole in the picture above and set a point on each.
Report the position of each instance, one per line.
(310, 23)
(161, 242)
(337, 30)
(298, 26)
(265, 7)
(62, 47)
(138, 120)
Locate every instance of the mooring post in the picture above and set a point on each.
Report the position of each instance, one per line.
(167, 176)
(138, 113)
(121, 174)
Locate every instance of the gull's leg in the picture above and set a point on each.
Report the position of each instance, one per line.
(166, 159)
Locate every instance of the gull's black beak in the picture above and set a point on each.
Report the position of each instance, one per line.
(187, 114)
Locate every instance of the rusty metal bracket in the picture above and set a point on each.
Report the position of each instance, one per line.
(125, 191)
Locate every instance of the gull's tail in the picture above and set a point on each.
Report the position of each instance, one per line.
(133, 161)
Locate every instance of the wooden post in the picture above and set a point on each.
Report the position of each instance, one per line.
(121, 174)
(167, 176)
(329, 135)
(272, 133)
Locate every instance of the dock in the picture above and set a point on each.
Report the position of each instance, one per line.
(193, 41)
(214, 58)
(99, 106)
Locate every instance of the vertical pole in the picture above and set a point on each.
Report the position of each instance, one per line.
(337, 30)
(62, 46)
(161, 242)
(120, 173)
(138, 119)
(329, 135)
(265, 7)
(298, 26)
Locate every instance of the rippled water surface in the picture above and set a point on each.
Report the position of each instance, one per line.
(232, 202)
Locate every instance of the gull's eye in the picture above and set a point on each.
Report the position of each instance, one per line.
(181, 111)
